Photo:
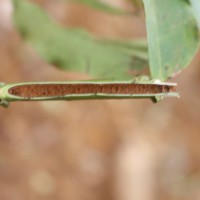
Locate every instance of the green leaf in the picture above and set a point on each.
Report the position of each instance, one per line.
(172, 36)
(74, 49)
(137, 3)
(196, 8)
(96, 4)
(138, 48)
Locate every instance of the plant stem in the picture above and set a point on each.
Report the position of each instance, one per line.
(82, 90)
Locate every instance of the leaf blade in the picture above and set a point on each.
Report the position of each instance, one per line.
(72, 49)
(172, 36)
(104, 7)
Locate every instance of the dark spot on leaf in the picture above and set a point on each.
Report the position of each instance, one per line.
(57, 62)
(167, 68)
(24, 33)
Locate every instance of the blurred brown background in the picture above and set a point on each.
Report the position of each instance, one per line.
(95, 150)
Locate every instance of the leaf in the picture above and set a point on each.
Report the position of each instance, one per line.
(137, 3)
(74, 49)
(172, 36)
(96, 4)
(138, 48)
(196, 8)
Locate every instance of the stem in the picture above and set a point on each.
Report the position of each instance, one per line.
(80, 90)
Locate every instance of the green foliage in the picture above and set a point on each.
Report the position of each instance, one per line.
(172, 31)
(74, 49)
(100, 6)
(196, 7)
(137, 3)
(172, 36)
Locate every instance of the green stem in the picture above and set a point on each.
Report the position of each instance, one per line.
(82, 90)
